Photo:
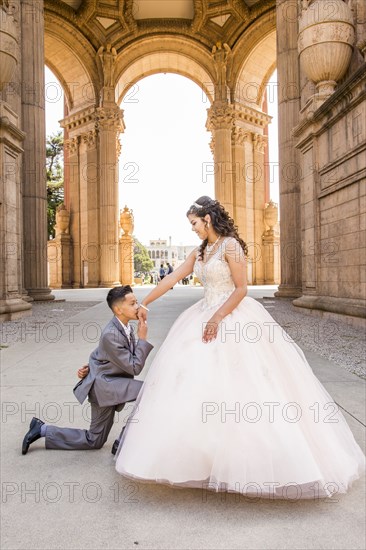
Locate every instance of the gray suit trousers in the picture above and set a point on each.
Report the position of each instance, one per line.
(72, 439)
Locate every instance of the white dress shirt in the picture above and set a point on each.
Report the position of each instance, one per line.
(126, 328)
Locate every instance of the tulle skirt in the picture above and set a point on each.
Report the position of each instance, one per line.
(244, 413)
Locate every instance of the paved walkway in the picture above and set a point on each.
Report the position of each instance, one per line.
(76, 500)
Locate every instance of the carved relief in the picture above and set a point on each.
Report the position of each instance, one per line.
(239, 136)
(260, 142)
(109, 118)
(72, 145)
(107, 56)
(219, 117)
(221, 54)
(118, 147)
(322, 32)
(90, 139)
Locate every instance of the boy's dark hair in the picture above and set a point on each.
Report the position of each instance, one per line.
(117, 293)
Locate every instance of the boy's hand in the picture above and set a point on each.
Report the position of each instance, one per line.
(83, 372)
(142, 329)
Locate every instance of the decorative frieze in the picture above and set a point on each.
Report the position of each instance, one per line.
(79, 119)
(250, 115)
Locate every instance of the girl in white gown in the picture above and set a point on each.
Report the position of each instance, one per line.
(230, 402)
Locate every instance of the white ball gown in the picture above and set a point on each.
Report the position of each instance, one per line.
(244, 413)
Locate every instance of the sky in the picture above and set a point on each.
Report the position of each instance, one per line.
(166, 158)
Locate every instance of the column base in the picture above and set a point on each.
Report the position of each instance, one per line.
(13, 309)
(26, 298)
(109, 284)
(343, 306)
(287, 291)
(40, 294)
(60, 287)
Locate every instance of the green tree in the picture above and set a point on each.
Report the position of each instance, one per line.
(142, 260)
(55, 178)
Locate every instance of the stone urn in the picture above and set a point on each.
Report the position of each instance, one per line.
(62, 220)
(126, 221)
(271, 214)
(325, 42)
(8, 44)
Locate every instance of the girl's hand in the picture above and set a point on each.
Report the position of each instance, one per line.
(210, 330)
(142, 314)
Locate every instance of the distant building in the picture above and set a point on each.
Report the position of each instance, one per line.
(162, 251)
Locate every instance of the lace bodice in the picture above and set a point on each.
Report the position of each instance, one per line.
(215, 275)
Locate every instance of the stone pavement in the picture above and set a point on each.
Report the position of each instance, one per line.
(76, 500)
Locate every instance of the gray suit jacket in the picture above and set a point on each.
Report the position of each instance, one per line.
(112, 366)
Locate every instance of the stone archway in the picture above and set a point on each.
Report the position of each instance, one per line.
(95, 121)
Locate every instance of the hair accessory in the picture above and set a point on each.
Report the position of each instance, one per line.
(197, 205)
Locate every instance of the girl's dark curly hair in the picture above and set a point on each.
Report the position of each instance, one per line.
(221, 221)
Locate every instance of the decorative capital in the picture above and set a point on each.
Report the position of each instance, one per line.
(260, 142)
(220, 117)
(109, 118)
(239, 136)
(72, 145)
(90, 139)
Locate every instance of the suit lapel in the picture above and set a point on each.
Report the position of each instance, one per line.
(120, 329)
(133, 340)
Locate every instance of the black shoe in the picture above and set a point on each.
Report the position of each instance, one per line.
(32, 435)
(115, 447)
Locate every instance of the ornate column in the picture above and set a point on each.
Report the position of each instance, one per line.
(109, 122)
(60, 251)
(288, 115)
(34, 157)
(89, 193)
(238, 138)
(249, 182)
(220, 123)
(73, 173)
(259, 193)
(12, 305)
(126, 247)
(270, 241)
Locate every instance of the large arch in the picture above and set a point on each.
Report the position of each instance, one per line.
(72, 59)
(254, 61)
(164, 54)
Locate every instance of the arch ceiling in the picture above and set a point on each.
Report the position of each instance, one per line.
(163, 54)
(256, 70)
(153, 36)
(65, 64)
